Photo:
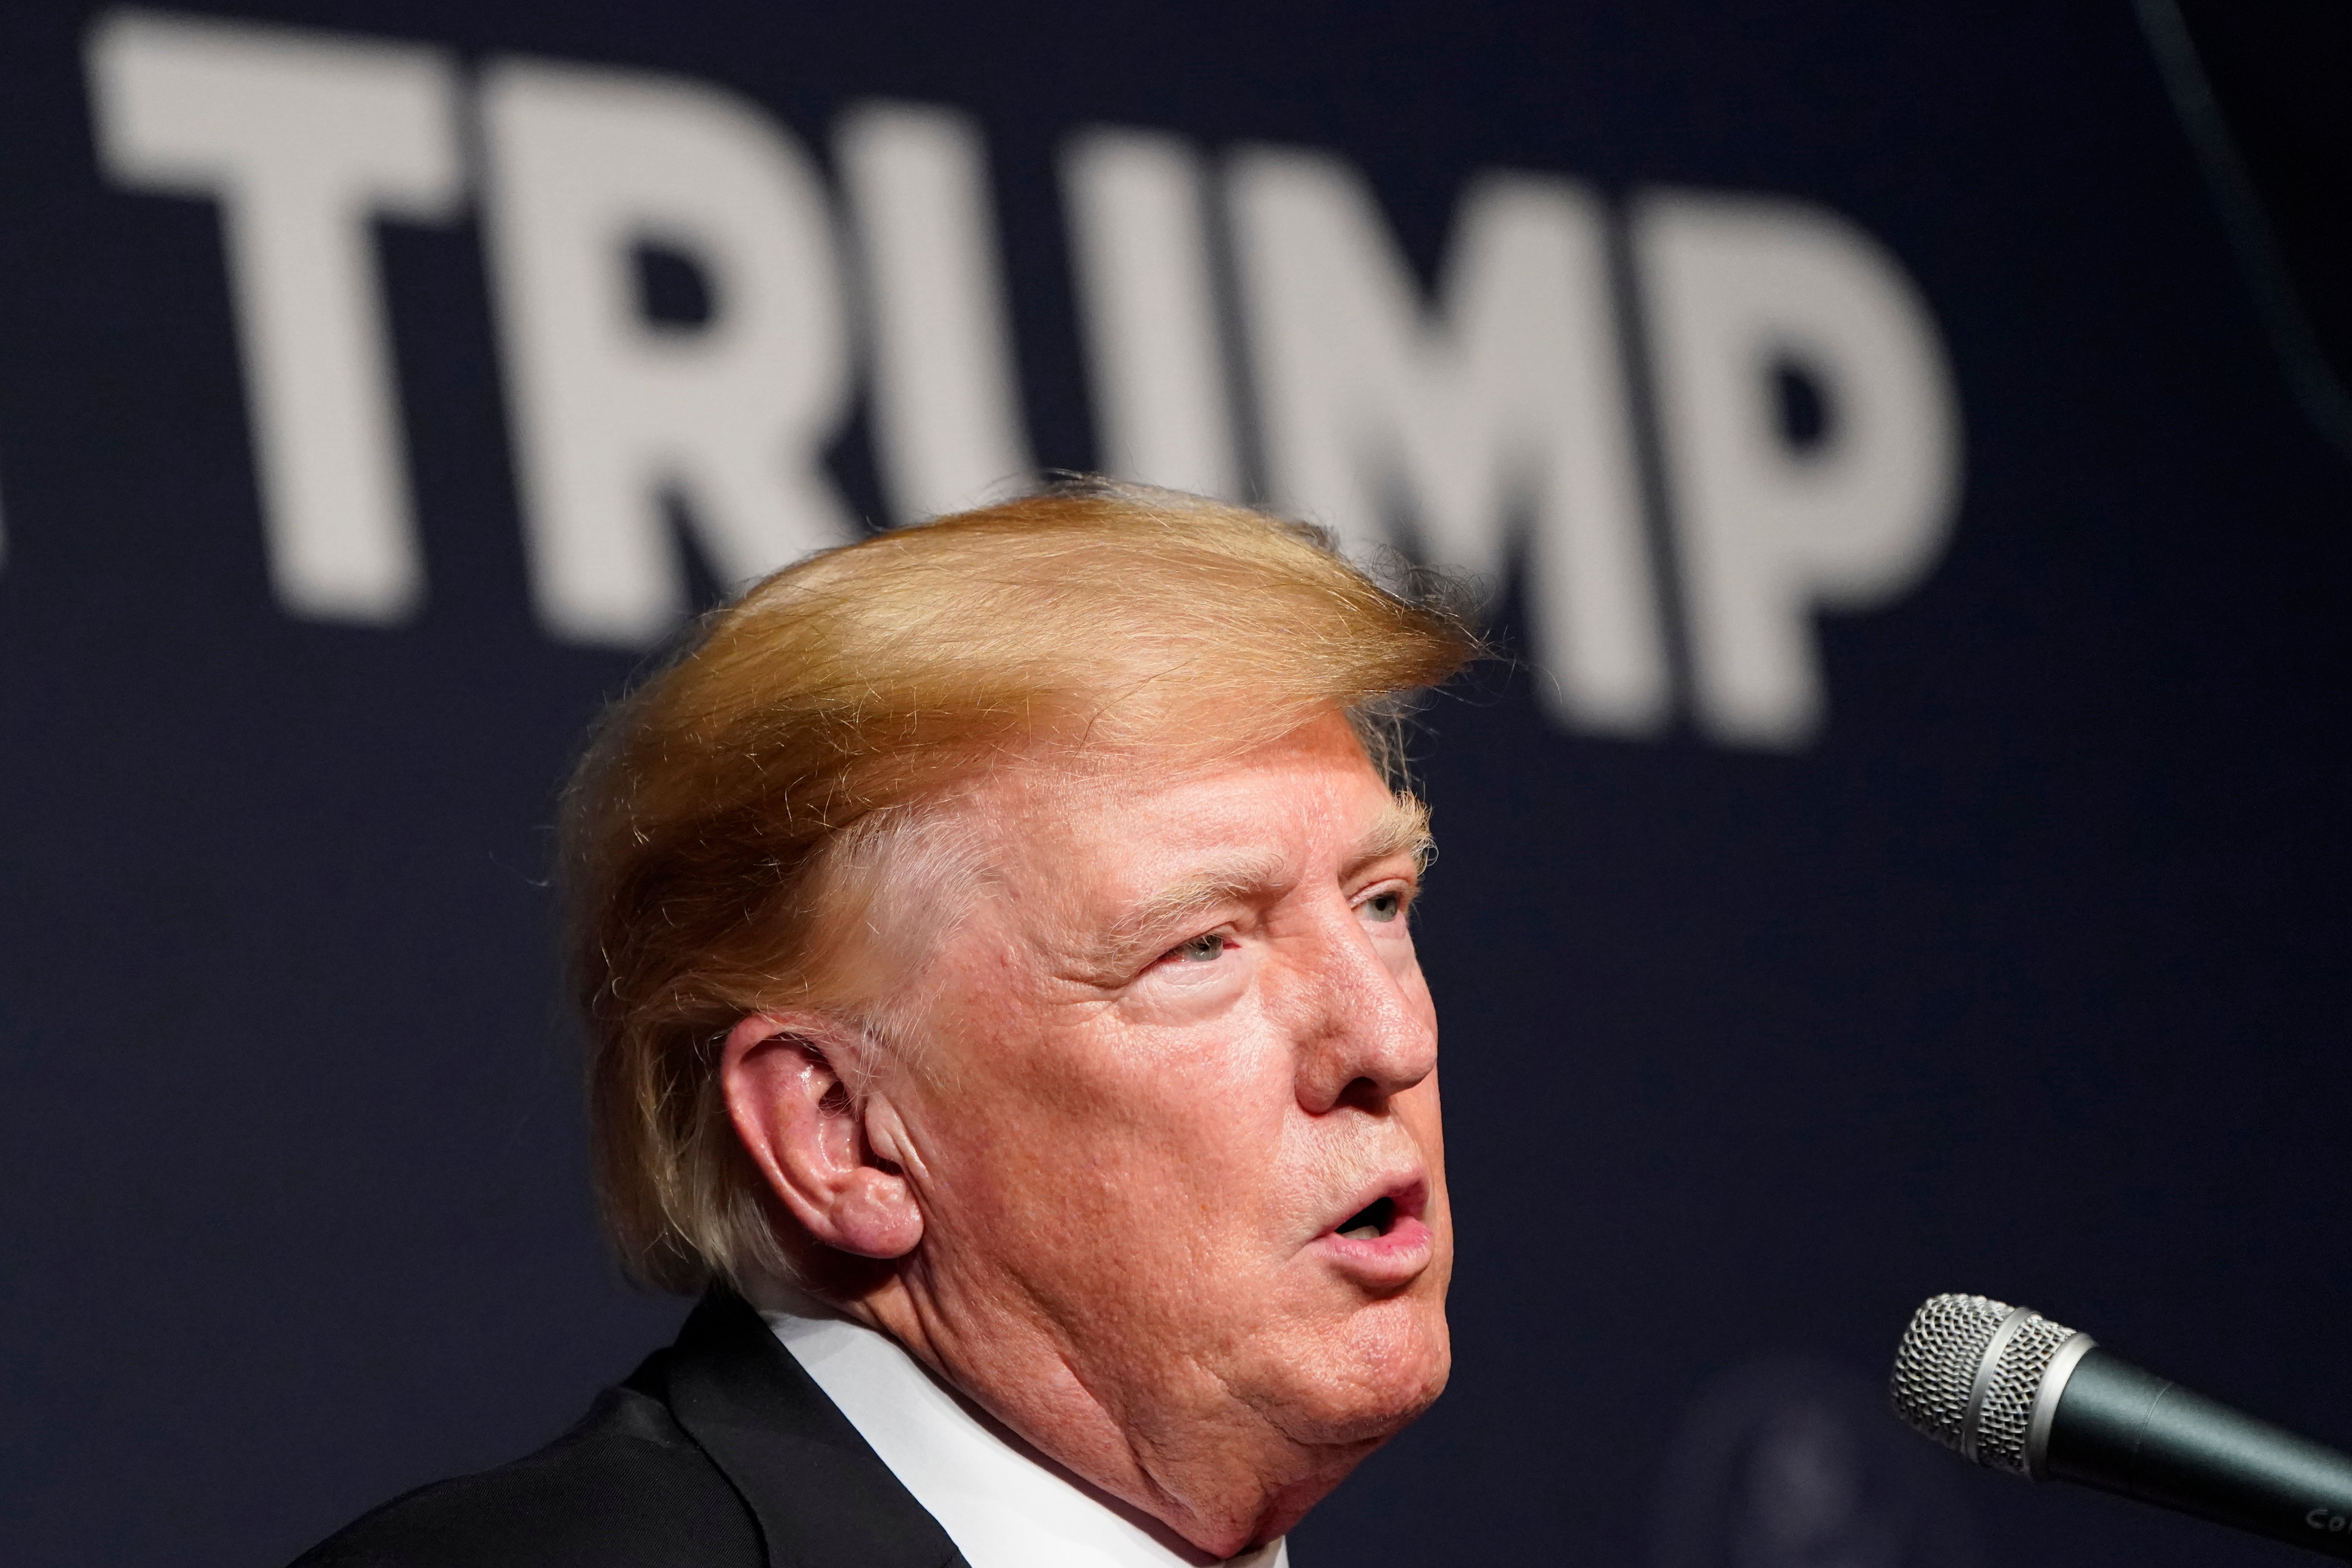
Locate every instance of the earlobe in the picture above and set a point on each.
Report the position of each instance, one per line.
(791, 1102)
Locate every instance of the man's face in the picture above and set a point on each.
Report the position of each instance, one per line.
(1173, 1113)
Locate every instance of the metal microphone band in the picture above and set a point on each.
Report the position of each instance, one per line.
(1972, 1423)
(2046, 1404)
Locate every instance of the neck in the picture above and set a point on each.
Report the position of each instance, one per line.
(1211, 1468)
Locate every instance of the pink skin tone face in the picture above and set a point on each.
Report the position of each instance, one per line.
(1155, 1175)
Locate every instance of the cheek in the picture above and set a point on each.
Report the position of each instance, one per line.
(1417, 1108)
(1139, 1146)
(1195, 1120)
(1395, 944)
(1413, 986)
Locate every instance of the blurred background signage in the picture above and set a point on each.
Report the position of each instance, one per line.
(673, 274)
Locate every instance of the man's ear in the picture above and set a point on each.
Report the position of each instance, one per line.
(788, 1098)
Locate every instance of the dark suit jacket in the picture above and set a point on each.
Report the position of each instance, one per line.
(718, 1452)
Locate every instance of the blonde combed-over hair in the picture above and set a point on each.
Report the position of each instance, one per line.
(709, 831)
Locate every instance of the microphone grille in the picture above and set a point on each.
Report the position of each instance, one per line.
(1936, 1365)
(1942, 1359)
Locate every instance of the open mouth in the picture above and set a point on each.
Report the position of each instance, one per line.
(1370, 1220)
(1387, 1244)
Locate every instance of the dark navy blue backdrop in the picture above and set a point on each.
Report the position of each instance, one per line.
(2027, 977)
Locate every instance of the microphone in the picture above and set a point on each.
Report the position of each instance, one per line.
(2006, 1388)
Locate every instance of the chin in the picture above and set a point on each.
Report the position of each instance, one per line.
(1364, 1382)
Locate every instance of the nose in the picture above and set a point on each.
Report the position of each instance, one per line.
(1361, 1036)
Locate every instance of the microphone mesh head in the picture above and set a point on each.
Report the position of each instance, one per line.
(2009, 1401)
(1936, 1364)
(1935, 1369)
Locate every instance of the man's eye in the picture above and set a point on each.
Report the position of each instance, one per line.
(1200, 950)
(1384, 906)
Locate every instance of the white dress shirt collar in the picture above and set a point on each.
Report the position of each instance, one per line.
(1002, 1502)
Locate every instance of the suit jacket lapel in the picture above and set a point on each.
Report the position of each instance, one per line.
(822, 1497)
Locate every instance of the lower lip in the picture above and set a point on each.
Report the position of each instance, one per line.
(1392, 1257)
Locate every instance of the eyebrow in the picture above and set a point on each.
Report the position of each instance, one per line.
(1401, 828)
